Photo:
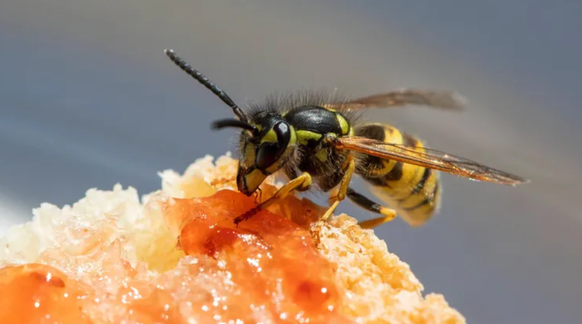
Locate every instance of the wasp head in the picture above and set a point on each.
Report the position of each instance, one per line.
(265, 144)
(266, 140)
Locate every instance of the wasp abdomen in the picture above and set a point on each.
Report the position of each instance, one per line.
(413, 191)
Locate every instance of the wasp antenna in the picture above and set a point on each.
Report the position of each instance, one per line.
(234, 123)
(206, 82)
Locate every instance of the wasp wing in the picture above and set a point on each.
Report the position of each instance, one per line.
(427, 158)
(402, 97)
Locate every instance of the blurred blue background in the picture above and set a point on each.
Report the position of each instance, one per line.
(88, 99)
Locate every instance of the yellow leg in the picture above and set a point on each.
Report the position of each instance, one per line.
(301, 182)
(389, 215)
(343, 187)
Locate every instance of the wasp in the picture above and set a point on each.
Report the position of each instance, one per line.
(318, 143)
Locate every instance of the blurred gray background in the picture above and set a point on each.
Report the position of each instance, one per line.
(88, 99)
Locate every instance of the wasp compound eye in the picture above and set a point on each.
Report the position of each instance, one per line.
(270, 152)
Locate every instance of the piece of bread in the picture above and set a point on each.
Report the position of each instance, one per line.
(175, 256)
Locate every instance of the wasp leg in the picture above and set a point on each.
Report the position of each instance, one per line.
(292, 174)
(343, 187)
(301, 182)
(360, 200)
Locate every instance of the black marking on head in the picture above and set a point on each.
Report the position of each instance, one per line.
(267, 120)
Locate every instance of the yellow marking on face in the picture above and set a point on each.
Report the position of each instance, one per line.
(254, 179)
(345, 126)
(248, 158)
(270, 137)
(304, 136)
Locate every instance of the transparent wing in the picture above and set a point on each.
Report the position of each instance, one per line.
(402, 97)
(428, 158)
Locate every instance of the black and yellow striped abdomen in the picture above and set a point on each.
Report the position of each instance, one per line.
(413, 191)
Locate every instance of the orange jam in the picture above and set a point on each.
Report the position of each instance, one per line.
(267, 269)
